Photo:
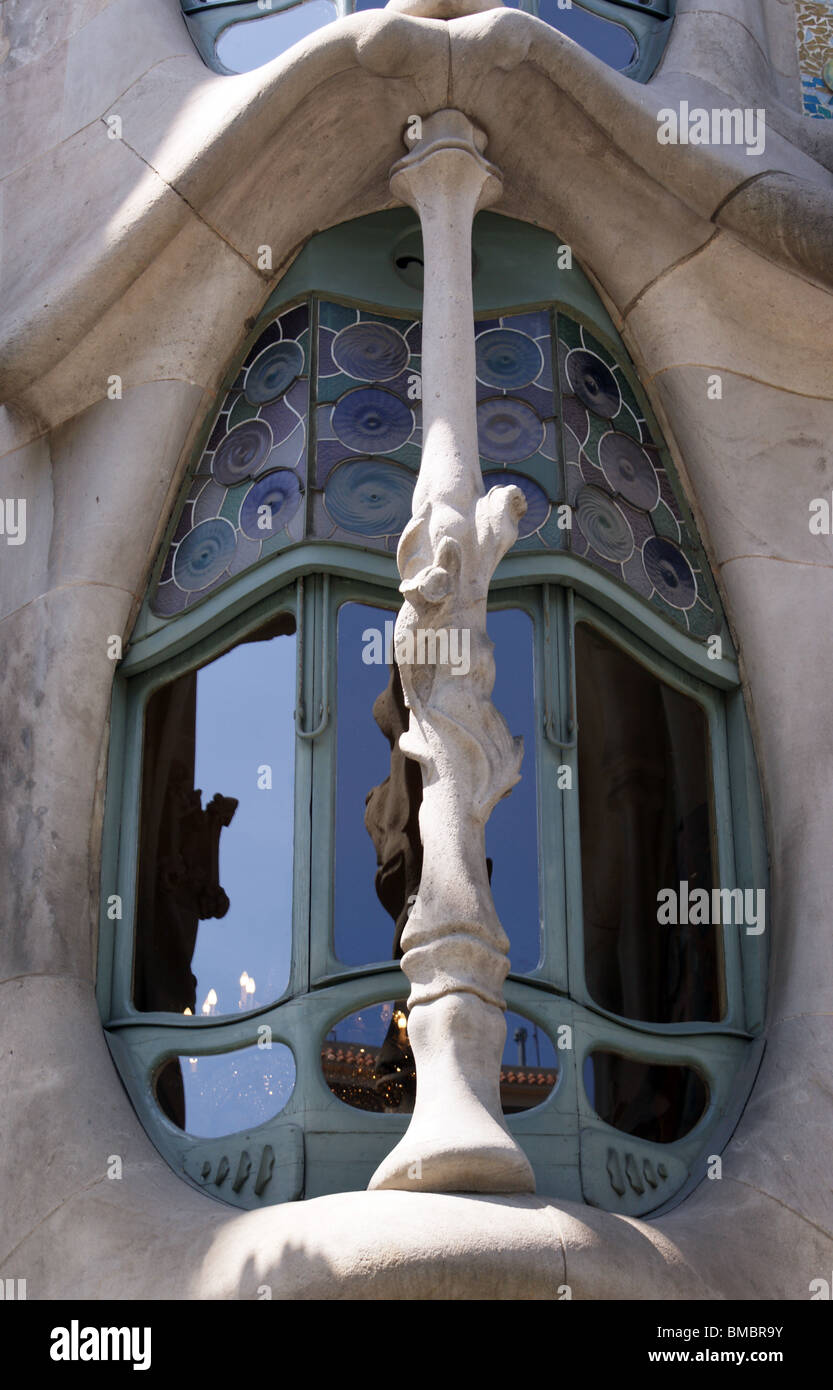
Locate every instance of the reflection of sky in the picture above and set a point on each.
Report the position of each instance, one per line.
(236, 1090)
(250, 43)
(363, 930)
(245, 703)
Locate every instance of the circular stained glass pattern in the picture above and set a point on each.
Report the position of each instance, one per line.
(629, 470)
(371, 497)
(508, 430)
(273, 371)
(507, 359)
(371, 351)
(241, 452)
(593, 382)
(537, 502)
(669, 571)
(204, 554)
(372, 420)
(280, 491)
(604, 525)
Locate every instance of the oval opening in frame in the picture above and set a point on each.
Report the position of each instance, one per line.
(226, 1092)
(367, 1061)
(657, 1101)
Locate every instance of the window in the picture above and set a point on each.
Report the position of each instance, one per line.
(235, 36)
(262, 845)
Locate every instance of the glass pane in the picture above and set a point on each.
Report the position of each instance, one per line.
(649, 1100)
(378, 792)
(613, 43)
(210, 1096)
(368, 1063)
(378, 859)
(214, 921)
(512, 828)
(249, 44)
(644, 798)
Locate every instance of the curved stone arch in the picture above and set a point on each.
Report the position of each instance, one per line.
(73, 590)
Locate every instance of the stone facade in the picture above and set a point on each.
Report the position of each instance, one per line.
(130, 250)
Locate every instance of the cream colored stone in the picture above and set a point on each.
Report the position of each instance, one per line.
(56, 679)
(713, 311)
(747, 1245)
(170, 323)
(110, 215)
(135, 39)
(782, 1145)
(107, 518)
(33, 31)
(30, 109)
(755, 455)
(723, 54)
(26, 476)
(781, 613)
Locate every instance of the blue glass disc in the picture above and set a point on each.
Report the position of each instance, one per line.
(669, 571)
(372, 420)
(204, 554)
(371, 497)
(508, 430)
(241, 452)
(629, 470)
(273, 371)
(371, 351)
(280, 491)
(507, 359)
(537, 502)
(593, 382)
(604, 525)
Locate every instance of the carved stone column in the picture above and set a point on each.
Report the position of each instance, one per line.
(454, 946)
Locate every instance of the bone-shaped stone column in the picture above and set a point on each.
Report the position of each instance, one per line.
(454, 945)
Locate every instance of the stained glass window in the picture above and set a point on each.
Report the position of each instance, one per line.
(264, 822)
(577, 438)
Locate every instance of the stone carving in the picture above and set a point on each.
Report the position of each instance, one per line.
(636, 1178)
(454, 945)
(243, 1170)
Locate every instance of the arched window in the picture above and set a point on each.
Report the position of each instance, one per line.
(235, 36)
(262, 846)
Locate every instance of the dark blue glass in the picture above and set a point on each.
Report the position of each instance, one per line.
(613, 43)
(364, 931)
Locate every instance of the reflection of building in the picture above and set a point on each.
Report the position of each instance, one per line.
(682, 419)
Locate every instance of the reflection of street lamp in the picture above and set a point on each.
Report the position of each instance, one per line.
(247, 989)
(210, 1002)
(520, 1036)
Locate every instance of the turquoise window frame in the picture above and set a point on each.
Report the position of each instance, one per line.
(648, 21)
(318, 1143)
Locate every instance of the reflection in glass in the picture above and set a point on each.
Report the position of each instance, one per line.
(215, 863)
(611, 42)
(378, 859)
(644, 796)
(250, 43)
(368, 1063)
(649, 1100)
(227, 1092)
